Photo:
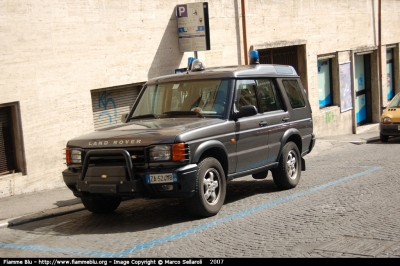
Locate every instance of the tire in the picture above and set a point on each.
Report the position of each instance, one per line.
(287, 174)
(101, 205)
(260, 175)
(210, 189)
(384, 138)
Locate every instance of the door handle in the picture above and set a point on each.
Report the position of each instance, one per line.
(263, 124)
(285, 119)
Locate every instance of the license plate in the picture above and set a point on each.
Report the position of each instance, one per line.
(398, 127)
(158, 178)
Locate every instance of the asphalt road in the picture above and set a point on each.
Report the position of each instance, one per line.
(346, 205)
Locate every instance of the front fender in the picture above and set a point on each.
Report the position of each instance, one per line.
(210, 144)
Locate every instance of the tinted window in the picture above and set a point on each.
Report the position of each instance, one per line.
(294, 93)
(245, 92)
(268, 96)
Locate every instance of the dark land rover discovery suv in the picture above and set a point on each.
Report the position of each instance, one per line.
(188, 134)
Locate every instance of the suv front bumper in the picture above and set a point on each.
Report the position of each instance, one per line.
(117, 181)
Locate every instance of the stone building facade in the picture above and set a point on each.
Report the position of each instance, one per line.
(69, 67)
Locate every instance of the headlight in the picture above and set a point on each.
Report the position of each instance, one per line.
(73, 156)
(174, 152)
(160, 153)
(387, 120)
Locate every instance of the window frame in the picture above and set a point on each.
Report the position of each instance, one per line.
(17, 138)
(330, 73)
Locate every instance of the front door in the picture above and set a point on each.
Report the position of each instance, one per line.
(362, 85)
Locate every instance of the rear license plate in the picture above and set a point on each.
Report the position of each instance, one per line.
(159, 178)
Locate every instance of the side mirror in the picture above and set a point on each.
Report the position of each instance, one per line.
(383, 107)
(123, 117)
(245, 111)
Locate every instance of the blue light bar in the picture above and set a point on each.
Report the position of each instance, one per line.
(190, 61)
(254, 57)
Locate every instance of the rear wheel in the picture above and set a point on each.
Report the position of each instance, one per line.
(101, 205)
(287, 174)
(210, 189)
(384, 138)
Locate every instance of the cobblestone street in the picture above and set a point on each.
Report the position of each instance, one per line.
(346, 205)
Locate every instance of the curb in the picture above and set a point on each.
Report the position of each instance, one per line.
(41, 215)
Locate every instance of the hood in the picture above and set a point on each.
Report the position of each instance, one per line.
(141, 132)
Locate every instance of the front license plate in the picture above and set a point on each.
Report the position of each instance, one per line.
(158, 178)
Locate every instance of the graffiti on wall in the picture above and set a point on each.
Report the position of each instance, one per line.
(104, 102)
(329, 117)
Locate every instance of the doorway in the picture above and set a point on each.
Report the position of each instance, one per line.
(295, 56)
(362, 86)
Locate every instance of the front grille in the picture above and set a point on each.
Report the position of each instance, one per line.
(137, 155)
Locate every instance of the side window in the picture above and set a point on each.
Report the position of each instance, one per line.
(245, 93)
(324, 82)
(294, 93)
(268, 96)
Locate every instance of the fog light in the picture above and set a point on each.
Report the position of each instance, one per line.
(167, 187)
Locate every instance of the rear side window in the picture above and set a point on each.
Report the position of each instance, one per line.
(294, 94)
(268, 96)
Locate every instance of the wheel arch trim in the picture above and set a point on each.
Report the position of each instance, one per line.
(203, 147)
(288, 134)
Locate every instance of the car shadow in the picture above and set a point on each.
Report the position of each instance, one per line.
(391, 140)
(140, 215)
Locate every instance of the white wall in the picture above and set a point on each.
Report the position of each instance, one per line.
(53, 52)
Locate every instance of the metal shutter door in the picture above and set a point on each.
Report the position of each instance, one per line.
(109, 104)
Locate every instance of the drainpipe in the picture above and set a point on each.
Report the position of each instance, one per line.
(380, 56)
(244, 33)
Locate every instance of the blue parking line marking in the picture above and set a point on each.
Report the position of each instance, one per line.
(146, 245)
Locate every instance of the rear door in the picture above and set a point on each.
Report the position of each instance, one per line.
(251, 132)
(275, 114)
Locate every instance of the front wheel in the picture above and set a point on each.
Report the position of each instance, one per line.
(287, 174)
(101, 205)
(210, 189)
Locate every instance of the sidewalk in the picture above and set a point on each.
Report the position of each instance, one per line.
(20, 209)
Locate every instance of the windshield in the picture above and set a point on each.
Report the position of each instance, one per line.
(395, 103)
(201, 98)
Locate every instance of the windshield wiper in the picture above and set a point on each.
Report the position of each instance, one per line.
(144, 116)
(183, 113)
